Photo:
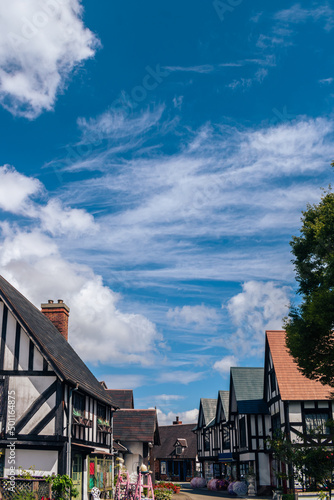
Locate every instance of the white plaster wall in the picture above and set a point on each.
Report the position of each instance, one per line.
(295, 412)
(264, 469)
(1, 313)
(27, 390)
(24, 351)
(10, 343)
(40, 414)
(135, 457)
(260, 426)
(45, 462)
(38, 360)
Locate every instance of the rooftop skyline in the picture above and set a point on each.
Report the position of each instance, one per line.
(155, 161)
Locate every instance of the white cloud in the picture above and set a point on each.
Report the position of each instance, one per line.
(15, 189)
(199, 315)
(31, 259)
(17, 193)
(168, 397)
(181, 377)
(223, 366)
(204, 68)
(186, 417)
(326, 81)
(260, 306)
(124, 381)
(58, 220)
(297, 14)
(223, 182)
(40, 44)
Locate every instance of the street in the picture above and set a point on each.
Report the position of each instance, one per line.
(188, 493)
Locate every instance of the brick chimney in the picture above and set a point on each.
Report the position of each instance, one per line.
(177, 421)
(58, 314)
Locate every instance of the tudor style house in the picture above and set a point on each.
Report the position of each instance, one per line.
(206, 431)
(297, 405)
(250, 423)
(176, 458)
(62, 413)
(136, 432)
(262, 401)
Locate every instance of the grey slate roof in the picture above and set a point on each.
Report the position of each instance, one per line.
(209, 407)
(248, 387)
(62, 357)
(225, 399)
(169, 435)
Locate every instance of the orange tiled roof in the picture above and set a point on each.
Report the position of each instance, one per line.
(293, 386)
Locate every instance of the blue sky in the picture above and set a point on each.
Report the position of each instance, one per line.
(155, 160)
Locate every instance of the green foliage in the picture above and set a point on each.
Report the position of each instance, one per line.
(163, 494)
(62, 487)
(313, 465)
(24, 495)
(26, 474)
(309, 327)
(288, 496)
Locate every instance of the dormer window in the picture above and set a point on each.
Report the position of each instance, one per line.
(180, 445)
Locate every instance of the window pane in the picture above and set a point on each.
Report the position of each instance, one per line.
(316, 422)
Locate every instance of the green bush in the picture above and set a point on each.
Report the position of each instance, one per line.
(288, 496)
(62, 487)
(24, 495)
(163, 494)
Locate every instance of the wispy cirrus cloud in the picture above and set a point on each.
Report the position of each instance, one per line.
(219, 182)
(297, 14)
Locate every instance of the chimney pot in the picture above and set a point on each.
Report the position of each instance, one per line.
(177, 421)
(58, 315)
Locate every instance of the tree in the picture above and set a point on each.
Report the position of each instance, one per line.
(312, 466)
(309, 326)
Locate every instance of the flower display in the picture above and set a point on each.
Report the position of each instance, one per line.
(198, 482)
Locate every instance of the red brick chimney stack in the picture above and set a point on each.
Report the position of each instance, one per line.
(58, 314)
(177, 421)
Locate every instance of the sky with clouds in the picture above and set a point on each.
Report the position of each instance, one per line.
(155, 161)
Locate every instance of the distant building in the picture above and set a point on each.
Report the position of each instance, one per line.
(232, 429)
(176, 458)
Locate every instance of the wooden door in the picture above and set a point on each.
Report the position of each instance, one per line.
(77, 474)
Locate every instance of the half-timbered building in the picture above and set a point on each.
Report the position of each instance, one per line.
(205, 432)
(298, 406)
(222, 435)
(261, 402)
(51, 405)
(250, 422)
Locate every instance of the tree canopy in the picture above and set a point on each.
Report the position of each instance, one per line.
(309, 326)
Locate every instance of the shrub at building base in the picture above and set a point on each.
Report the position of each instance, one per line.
(162, 494)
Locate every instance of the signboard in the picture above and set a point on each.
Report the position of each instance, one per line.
(225, 457)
